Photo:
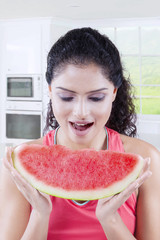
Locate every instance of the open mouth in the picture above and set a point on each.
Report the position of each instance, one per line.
(81, 126)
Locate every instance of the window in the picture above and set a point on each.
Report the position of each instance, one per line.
(139, 47)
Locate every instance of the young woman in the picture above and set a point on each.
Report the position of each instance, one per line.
(90, 107)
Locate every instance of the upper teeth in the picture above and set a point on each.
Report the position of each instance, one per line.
(80, 124)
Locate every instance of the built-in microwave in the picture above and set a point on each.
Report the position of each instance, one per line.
(24, 87)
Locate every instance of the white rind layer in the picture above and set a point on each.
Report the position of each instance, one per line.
(80, 194)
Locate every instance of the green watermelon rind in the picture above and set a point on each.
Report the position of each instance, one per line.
(115, 188)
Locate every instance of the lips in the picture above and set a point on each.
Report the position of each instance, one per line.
(81, 128)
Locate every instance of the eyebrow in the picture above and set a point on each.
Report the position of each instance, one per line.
(97, 90)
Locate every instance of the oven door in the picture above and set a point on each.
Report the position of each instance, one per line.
(22, 126)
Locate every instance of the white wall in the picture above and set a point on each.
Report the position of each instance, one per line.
(149, 129)
(2, 80)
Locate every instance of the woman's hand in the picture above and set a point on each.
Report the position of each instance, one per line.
(40, 202)
(106, 210)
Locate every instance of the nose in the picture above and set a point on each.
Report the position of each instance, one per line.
(81, 109)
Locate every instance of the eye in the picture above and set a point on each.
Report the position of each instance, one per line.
(96, 99)
(67, 99)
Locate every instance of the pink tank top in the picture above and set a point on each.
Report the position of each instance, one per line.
(72, 221)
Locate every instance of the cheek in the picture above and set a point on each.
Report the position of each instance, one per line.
(103, 111)
(60, 109)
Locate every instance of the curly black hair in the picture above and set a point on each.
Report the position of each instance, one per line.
(83, 46)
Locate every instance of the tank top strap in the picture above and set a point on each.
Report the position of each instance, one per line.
(114, 141)
(48, 139)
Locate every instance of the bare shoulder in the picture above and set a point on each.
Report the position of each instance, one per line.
(146, 150)
(138, 146)
(148, 197)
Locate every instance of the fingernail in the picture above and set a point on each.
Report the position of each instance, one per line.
(148, 160)
(5, 150)
(150, 173)
(13, 174)
(136, 185)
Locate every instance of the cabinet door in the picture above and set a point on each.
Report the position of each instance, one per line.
(2, 87)
(23, 48)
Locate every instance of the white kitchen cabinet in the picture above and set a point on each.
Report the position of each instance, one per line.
(23, 48)
(2, 85)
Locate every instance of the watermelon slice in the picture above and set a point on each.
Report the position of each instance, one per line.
(81, 174)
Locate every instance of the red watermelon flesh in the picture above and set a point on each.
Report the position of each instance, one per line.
(80, 174)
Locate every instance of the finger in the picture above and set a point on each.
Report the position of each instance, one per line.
(106, 199)
(9, 164)
(146, 165)
(7, 160)
(9, 151)
(136, 184)
(26, 191)
(143, 177)
(44, 194)
(23, 186)
(119, 199)
(123, 196)
(6, 163)
(19, 179)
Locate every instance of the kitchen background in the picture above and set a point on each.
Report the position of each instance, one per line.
(29, 28)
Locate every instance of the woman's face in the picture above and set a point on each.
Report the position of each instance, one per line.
(82, 100)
